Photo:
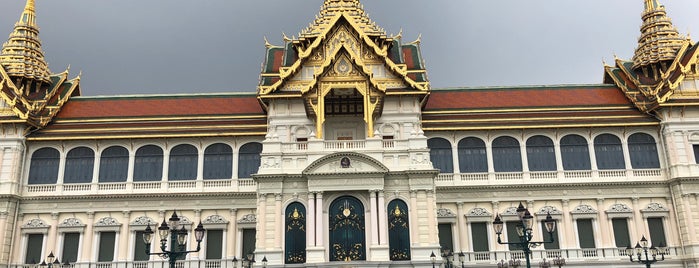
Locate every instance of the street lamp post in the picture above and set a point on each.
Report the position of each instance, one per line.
(249, 260)
(449, 257)
(524, 231)
(509, 264)
(433, 259)
(642, 248)
(462, 258)
(178, 238)
(53, 262)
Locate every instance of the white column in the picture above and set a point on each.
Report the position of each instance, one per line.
(310, 221)
(88, 241)
(638, 220)
(51, 245)
(278, 224)
(462, 244)
(124, 237)
(674, 235)
(432, 215)
(591, 151)
(192, 243)
(455, 156)
(262, 223)
(319, 219)
(603, 224)
(232, 234)
(567, 223)
(414, 225)
(383, 215)
(373, 217)
(492, 243)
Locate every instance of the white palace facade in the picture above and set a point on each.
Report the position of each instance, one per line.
(345, 156)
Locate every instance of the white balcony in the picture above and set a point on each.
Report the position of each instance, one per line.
(150, 187)
(549, 177)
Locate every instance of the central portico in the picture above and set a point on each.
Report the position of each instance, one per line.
(346, 146)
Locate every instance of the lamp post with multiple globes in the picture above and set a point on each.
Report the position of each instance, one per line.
(178, 238)
(642, 248)
(53, 262)
(525, 232)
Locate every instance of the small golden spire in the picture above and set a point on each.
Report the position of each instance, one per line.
(21, 55)
(660, 41)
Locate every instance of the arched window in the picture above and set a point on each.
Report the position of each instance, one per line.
(540, 154)
(44, 166)
(507, 156)
(80, 164)
(643, 151)
(295, 237)
(398, 231)
(114, 164)
(608, 152)
(249, 159)
(440, 155)
(472, 155)
(218, 161)
(148, 164)
(575, 153)
(184, 159)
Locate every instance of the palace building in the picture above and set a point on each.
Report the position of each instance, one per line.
(344, 156)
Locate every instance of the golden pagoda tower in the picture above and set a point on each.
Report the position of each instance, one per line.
(28, 89)
(659, 42)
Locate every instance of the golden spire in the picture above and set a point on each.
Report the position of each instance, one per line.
(352, 8)
(659, 39)
(21, 55)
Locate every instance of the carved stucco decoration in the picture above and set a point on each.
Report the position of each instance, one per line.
(511, 211)
(549, 210)
(445, 213)
(250, 218)
(619, 208)
(107, 221)
(71, 222)
(479, 212)
(584, 209)
(331, 164)
(214, 219)
(144, 220)
(655, 207)
(36, 223)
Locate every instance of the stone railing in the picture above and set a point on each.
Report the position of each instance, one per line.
(545, 177)
(229, 185)
(574, 257)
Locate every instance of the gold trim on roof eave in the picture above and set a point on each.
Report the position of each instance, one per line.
(585, 125)
(532, 118)
(146, 136)
(237, 126)
(554, 109)
(155, 119)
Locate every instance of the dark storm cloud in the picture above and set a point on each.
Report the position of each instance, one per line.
(185, 46)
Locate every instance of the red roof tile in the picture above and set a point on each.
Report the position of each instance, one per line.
(160, 106)
(526, 97)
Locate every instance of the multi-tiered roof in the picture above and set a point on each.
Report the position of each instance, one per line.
(29, 92)
(661, 62)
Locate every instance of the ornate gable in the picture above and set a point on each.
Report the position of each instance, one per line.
(342, 49)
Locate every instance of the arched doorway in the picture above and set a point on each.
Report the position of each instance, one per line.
(347, 239)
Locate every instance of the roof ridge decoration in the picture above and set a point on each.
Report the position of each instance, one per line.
(659, 41)
(27, 87)
(22, 55)
(661, 62)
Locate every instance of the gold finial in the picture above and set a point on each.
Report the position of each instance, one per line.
(651, 5)
(417, 41)
(286, 38)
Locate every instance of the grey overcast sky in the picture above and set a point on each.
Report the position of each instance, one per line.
(186, 46)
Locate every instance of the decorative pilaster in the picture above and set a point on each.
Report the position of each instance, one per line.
(262, 222)
(193, 239)
(124, 236)
(232, 234)
(319, 219)
(51, 243)
(603, 224)
(373, 216)
(460, 223)
(383, 227)
(86, 255)
(567, 224)
(278, 223)
(638, 220)
(311, 221)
